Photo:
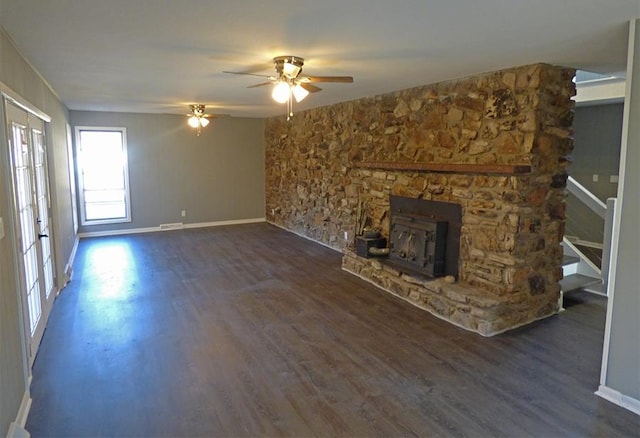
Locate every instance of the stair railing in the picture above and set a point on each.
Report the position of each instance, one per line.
(607, 242)
(587, 198)
(605, 211)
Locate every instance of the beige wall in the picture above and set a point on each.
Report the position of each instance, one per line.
(598, 133)
(217, 176)
(622, 347)
(17, 76)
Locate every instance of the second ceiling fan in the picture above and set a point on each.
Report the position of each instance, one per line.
(289, 83)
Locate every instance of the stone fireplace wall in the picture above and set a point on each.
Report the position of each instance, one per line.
(497, 144)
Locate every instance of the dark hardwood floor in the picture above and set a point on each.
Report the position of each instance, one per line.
(252, 331)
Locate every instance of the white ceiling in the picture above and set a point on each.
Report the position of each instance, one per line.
(158, 56)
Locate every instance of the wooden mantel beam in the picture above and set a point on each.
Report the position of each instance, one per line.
(502, 169)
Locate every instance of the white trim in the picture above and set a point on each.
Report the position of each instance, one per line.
(158, 229)
(71, 161)
(228, 222)
(125, 174)
(20, 102)
(586, 197)
(600, 92)
(577, 241)
(607, 242)
(25, 405)
(618, 398)
(588, 244)
(611, 280)
(118, 232)
(615, 232)
(16, 429)
(68, 269)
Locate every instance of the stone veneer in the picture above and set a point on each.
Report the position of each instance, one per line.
(512, 222)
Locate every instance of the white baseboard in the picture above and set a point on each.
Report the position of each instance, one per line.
(618, 398)
(222, 223)
(118, 232)
(158, 228)
(25, 406)
(16, 429)
(68, 269)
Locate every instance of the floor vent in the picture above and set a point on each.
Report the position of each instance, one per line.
(172, 226)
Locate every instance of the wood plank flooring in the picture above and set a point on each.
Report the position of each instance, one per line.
(252, 331)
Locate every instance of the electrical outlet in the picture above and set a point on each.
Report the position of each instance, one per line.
(183, 213)
(613, 179)
(1, 228)
(595, 177)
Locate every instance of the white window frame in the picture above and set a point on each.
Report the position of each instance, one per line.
(127, 197)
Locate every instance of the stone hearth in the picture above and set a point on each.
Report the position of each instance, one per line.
(464, 305)
(496, 144)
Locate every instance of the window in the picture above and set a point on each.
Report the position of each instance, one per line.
(102, 175)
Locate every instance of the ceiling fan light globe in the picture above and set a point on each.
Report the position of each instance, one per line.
(299, 93)
(281, 92)
(193, 121)
(203, 121)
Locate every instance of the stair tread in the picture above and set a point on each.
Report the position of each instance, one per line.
(577, 281)
(569, 260)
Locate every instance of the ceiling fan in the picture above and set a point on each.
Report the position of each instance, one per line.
(198, 118)
(289, 83)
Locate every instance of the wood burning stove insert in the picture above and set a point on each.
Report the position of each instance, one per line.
(418, 243)
(424, 236)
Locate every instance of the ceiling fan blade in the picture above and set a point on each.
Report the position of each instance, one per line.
(345, 79)
(310, 88)
(248, 74)
(215, 116)
(261, 84)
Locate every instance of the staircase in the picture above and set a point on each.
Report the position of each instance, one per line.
(579, 272)
(580, 268)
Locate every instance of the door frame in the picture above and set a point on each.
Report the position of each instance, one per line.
(9, 98)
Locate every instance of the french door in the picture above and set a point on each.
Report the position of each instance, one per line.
(27, 149)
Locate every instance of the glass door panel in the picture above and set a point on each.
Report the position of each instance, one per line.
(31, 203)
